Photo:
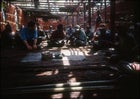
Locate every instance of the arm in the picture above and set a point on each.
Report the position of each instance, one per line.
(34, 44)
(35, 36)
(27, 45)
(24, 38)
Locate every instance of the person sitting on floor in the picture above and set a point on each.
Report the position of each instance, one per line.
(78, 38)
(98, 20)
(69, 31)
(6, 36)
(29, 36)
(49, 32)
(41, 34)
(103, 37)
(89, 34)
(58, 36)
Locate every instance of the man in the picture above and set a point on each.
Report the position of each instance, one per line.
(49, 32)
(41, 34)
(58, 36)
(6, 36)
(29, 36)
(102, 37)
(78, 38)
(69, 31)
(89, 34)
(98, 20)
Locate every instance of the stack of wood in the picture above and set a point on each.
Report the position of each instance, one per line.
(10, 16)
(20, 16)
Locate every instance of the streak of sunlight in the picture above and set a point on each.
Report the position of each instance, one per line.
(71, 55)
(48, 73)
(57, 96)
(59, 85)
(75, 94)
(96, 53)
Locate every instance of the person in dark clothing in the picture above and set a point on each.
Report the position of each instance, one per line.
(102, 37)
(41, 34)
(127, 43)
(89, 34)
(49, 32)
(6, 36)
(127, 48)
(58, 36)
(98, 21)
(69, 31)
(78, 38)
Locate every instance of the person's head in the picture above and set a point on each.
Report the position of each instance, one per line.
(60, 27)
(8, 27)
(7, 23)
(70, 26)
(32, 25)
(50, 27)
(88, 27)
(102, 26)
(98, 12)
(77, 27)
(40, 28)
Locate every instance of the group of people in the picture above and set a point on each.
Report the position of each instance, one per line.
(74, 36)
(31, 36)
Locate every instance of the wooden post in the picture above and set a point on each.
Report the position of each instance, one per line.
(89, 13)
(112, 17)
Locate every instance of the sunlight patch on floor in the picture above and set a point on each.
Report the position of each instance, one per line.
(48, 73)
(67, 55)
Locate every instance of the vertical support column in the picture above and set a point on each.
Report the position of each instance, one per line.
(77, 17)
(89, 12)
(105, 11)
(112, 17)
(73, 23)
(48, 2)
(36, 3)
(84, 4)
(67, 18)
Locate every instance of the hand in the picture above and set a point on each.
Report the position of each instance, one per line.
(35, 46)
(29, 47)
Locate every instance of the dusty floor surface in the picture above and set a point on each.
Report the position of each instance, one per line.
(20, 68)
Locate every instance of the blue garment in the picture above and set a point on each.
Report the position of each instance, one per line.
(26, 34)
(78, 38)
(80, 35)
(69, 31)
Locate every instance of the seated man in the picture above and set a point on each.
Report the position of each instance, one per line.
(78, 38)
(6, 36)
(128, 47)
(102, 37)
(89, 34)
(49, 32)
(58, 36)
(69, 31)
(29, 36)
(41, 34)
